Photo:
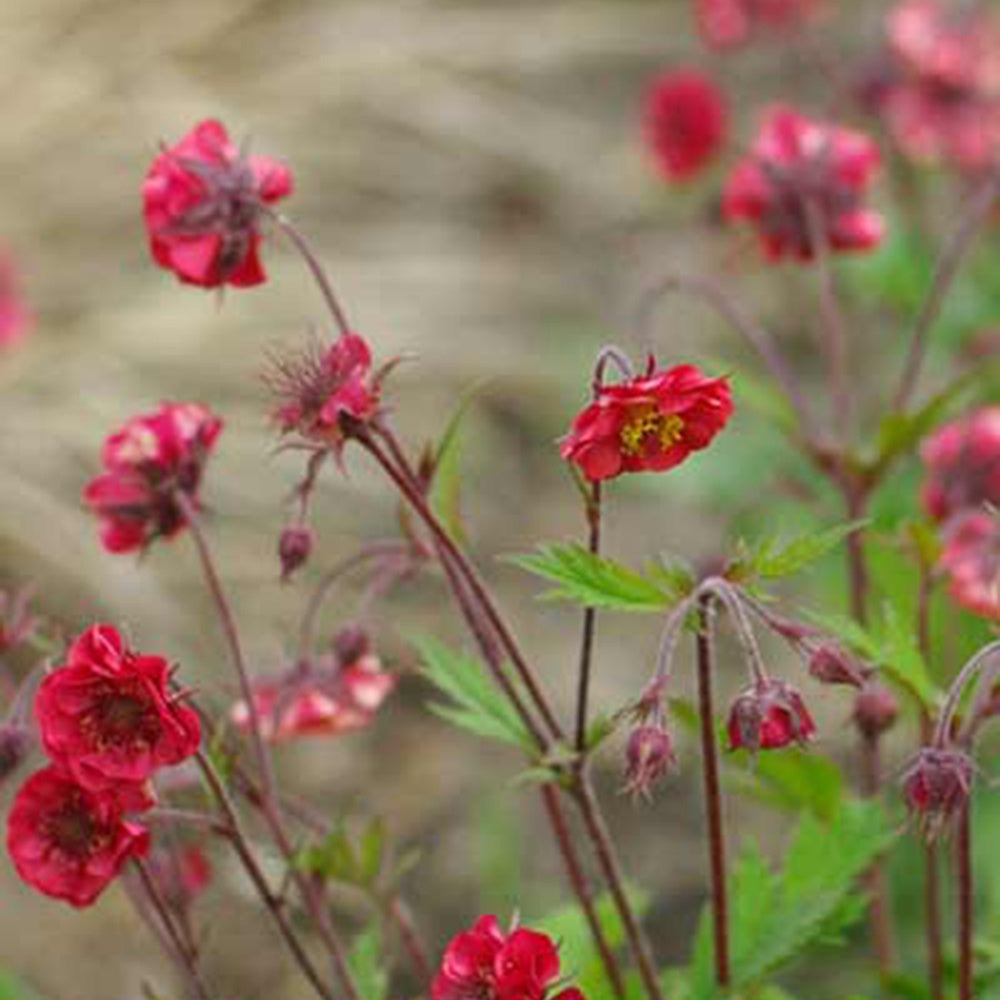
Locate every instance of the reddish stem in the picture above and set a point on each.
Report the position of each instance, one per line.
(963, 847)
(399, 915)
(589, 624)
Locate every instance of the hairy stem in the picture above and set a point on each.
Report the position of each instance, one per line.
(963, 848)
(589, 624)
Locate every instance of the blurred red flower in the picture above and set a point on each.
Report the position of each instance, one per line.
(728, 23)
(16, 319)
(970, 557)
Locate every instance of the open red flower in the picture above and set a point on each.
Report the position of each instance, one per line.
(936, 787)
(728, 23)
(68, 842)
(202, 203)
(108, 716)
(962, 461)
(484, 963)
(768, 715)
(651, 423)
(147, 462)
(799, 166)
(970, 558)
(684, 122)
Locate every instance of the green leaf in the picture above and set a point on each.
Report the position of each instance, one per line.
(772, 559)
(368, 967)
(333, 857)
(598, 582)
(476, 705)
(14, 989)
(371, 851)
(794, 779)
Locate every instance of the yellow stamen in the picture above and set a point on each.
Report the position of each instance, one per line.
(668, 429)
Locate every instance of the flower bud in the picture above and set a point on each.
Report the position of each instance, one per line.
(649, 756)
(936, 787)
(767, 715)
(15, 742)
(875, 710)
(832, 664)
(350, 644)
(294, 548)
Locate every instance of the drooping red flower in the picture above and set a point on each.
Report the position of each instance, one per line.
(108, 716)
(768, 715)
(725, 24)
(649, 755)
(970, 558)
(202, 203)
(936, 787)
(484, 963)
(650, 423)
(331, 694)
(16, 318)
(146, 463)
(684, 122)
(68, 842)
(324, 390)
(962, 463)
(797, 166)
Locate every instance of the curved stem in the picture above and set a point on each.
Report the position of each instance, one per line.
(725, 592)
(942, 733)
(609, 354)
(589, 624)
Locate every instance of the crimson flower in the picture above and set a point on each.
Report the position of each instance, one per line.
(649, 755)
(725, 24)
(962, 462)
(202, 203)
(108, 717)
(16, 319)
(484, 963)
(147, 462)
(936, 787)
(68, 842)
(684, 122)
(970, 558)
(768, 715)
(800, 166)
(650, 423)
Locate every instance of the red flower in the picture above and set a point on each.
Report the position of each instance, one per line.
(147, 462)
(108, 716)
(16, 319)
(332, 694)
(651, 423)
(483, 963)
(68, 842)
(795, 163)
(324, 390)
(684, 122)
(202, 203)
(727, 23)
(768, 715)
(649, 755)
(962, 460)
(971, 559)
(936, 787)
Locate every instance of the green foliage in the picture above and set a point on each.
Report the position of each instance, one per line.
(776, 916)
(794, 780)
(475, 704)
(340, 858)
(898, 273)
(14, 989)
(772, 559)
(597, 582)
(368, 966)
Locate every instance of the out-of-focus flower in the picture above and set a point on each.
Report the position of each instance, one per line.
(294, 547)
(830, 663)
(651, 423)
(484, 963)
(324, 391)
(970, 557)
(799, 166)
(202, 203)
(936, 787)
(325, 696)
(727, 23)
(16, 318)
(962, 464)
(108, 717)
(768, 715)
(181, 874)
(147, 462)
(684, 122)
(875, 710)
(649, 755)
(67, 842)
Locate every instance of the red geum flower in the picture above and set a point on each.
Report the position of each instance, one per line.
(768, 715)
(797, 166)
(962, 462)
(875, 710)
(202, 203)
(331, 694)
(68, 842)
(108, 716)
(147, 462)
(650, 423)
(16, 319)
(324, 391)
(649, 755)
(936, 787)
(484, 963)
(727, 23)
(684, 122)
(294, 547)
(970, 557)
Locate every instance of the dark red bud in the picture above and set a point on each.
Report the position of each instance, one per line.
(350, 644)
(15, 742)
(294, 548)
(936, 787)
(831, 664)
(648, 757)
(875, 710)
(768, 715)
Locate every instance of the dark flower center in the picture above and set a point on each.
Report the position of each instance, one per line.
(122, 718)
(73, 828)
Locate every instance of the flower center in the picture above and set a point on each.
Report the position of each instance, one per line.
(73, 830)
(646, 423)
(121, 718)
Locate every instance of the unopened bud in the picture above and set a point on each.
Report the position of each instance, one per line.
(350, 644)
(648, 757)
(294, 548)
(768, 715)
(831, 664)
(875, 710)
(936, 787)
(15, 742)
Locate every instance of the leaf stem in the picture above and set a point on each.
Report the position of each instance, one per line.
(593, 510)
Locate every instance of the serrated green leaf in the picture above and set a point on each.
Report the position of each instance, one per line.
(368, 967)
(772, 560)
(598, 582)
(794, 780)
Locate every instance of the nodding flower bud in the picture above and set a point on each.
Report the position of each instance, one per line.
(350, 644)
(875, 710)
(936, 787)
(15, 742)
(767, 715)
(649, 755)
(832, 664)
(294, 548)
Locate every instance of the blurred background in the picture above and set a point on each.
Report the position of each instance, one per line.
(472, 173)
